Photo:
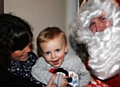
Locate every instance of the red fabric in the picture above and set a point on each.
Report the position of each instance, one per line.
(112, 82)
(97, 83)
(118, 1)
(52, 70)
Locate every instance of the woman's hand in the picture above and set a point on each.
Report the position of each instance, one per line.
(50, 83)
(64, 81)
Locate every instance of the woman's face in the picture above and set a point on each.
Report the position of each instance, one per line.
(99, 23)
(21, 55)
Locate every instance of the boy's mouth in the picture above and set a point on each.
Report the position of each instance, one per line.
(56, 62)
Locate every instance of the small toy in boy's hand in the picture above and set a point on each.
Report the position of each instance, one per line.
(69, 79)
(75, 80)
(72, 76)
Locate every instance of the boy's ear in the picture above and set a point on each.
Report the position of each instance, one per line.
(66, 48)
(39, 53)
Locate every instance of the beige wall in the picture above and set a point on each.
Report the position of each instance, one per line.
(42, 13)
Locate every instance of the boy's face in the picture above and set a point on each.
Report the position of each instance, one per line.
(54, 51)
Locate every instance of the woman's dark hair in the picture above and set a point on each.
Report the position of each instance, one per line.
(15, 34)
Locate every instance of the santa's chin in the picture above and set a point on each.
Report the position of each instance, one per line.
(104, 54)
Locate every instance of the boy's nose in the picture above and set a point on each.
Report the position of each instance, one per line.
(53, 55)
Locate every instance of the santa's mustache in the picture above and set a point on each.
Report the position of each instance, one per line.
(104, 52)
(103, 36)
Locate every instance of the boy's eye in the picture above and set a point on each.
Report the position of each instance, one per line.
(57, 50)
(47, 53)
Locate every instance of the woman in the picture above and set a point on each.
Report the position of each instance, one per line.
(16, 58)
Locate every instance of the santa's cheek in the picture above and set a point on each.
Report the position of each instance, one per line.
(107, 24)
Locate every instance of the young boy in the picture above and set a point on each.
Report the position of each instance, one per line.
(52, 45)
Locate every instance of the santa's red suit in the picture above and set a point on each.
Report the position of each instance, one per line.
(111, 82)
(118, 1)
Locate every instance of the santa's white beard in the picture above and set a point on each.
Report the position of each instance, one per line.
(103, 47)
(104, 51)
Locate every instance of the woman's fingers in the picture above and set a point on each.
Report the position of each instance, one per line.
(50, 83)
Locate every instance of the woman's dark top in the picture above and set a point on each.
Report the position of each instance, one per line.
(9, 80)
(19, 74)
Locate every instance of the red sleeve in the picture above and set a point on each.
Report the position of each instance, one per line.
(86, 64)
(118, 1)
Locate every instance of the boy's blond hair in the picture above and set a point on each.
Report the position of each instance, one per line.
(49, 33)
